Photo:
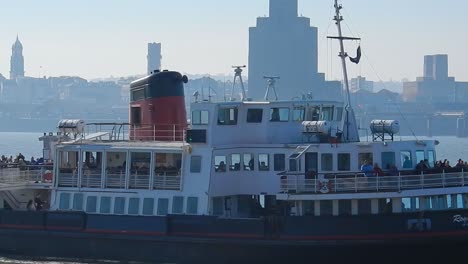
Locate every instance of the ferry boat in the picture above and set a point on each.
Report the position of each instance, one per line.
(243, 181)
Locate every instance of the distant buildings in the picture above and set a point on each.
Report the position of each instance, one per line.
(360, 83)
(283, 45)
(435, 86)
(17, 60)
(154, 57)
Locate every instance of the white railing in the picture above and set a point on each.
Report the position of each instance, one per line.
(167, 181)
(14, 174)
(358, 182)
(125, 131)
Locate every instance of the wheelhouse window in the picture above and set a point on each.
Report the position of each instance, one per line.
(299, 114)
(135, 115)
(344, 162)
(363, 158)
(254, 115)
(388, 159)
(220, 163)
(431, 158)
(227, 116)
(406, 160)
(327, 113)
(200, 117)
(263, 162)
(313, 113)
(419, 156)
(138, 94)
(279, 114)
(235, 164)
(249, 162)
(327, 162)
(279, 162)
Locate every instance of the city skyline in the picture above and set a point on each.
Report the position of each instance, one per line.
(99, 39)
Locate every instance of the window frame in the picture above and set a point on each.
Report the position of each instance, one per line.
(283, 162)
(203, 117)
(231, 122)
(280, 120)
(324, 166)
(267, 162)
(250, 117)
(339, 162)
(193, 160)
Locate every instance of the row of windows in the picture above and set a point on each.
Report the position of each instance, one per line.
(246, 161)
(229, 116)
(123, 205)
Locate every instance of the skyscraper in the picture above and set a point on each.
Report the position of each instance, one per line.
(154, 57)
(283, 45)
(436, 67)
(17, 60)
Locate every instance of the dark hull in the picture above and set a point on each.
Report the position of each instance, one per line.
(233, 246)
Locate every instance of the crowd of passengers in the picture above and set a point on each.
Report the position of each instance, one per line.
(369, 169)
(21, 161)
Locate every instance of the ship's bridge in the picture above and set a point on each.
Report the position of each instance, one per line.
(283, 122)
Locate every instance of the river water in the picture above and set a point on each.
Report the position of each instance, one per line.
(28, 144)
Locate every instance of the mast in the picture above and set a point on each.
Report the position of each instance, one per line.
(350, 130)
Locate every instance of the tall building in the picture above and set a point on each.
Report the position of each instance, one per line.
(436, 67)
(154, 57)
(360, 83)
(283, 45)
(17, 60)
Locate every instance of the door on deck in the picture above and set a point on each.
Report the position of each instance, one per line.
(311, 165)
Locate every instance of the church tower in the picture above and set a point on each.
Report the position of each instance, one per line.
(17, 60)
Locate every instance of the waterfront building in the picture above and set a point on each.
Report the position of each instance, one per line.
(285, 45)
(17, 60)
(360, 83)
(154, 57)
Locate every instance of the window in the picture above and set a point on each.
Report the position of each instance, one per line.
(339, 113)
(119, 205)
(148, 206)
(419, 155)
(91, 202)
(263, 162)
(254, 115)
(388, 159)
(249, 162)
(313, 113)
(299, 114)
(134, 206)
(279, 162)
(163, 206)
(78, 201)
(105, 207)
(327, 113)
(406, 160)
(178, 205)
(64, 201)
(431, 158)
(220, 163)
(135, 115)
(235, 162)
(363, 158)
(344, 162)
(227, 116)
(279, 114)
(192, 205)
(138, 94)
(327, 162)
(200, 117)
(195, 164)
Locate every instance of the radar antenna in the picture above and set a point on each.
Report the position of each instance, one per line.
(271, 81)
(350, 129)
(238, 75)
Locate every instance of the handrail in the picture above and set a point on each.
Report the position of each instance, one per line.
(299, 183)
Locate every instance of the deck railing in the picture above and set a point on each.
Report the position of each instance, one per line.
(144, 132)
(358, 182)
(14, 174)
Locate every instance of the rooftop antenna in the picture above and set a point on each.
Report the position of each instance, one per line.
(238, 75)
(271, 81)
(350, 129)
(195, 95)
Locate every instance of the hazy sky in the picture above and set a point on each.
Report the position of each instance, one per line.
(100, 38)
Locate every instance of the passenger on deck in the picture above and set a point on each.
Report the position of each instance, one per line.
(407, 164)
(222, 167)
(394, 170)
(421, 167)
(38, 203)
(367, 169)
(377, 170)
